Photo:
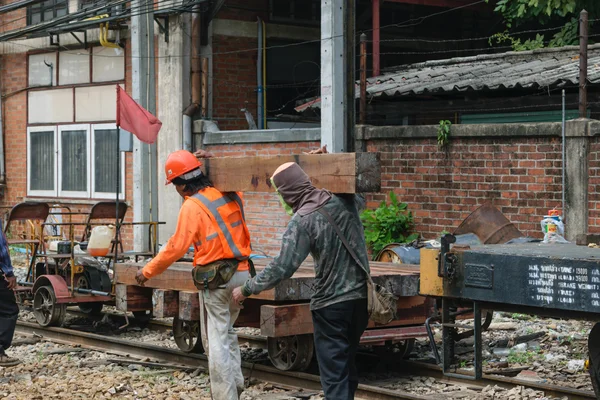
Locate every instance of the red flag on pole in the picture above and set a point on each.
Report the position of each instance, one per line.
(134, 118)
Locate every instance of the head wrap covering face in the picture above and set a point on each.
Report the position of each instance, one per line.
(297, 191)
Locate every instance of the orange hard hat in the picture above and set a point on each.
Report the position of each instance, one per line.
(180, 162)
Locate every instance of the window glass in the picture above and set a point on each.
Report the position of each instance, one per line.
(41, 163)
(109, 64)
(39, 72)
(50, 106)
(73, 155)
(105, 160)
(74, 67)
(96, 103)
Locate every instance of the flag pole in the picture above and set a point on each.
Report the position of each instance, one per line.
(117, 227)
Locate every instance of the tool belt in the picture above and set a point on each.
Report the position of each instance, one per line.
(218, 273)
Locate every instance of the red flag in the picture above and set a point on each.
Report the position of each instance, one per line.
(134, 118)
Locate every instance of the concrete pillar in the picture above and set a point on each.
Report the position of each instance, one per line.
(143, 92)
(333, 89)
(577, 147)
(173, 96)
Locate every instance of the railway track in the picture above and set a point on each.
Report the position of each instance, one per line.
(375, 390)
(127, 348)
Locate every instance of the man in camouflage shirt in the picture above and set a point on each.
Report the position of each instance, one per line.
(339, 303)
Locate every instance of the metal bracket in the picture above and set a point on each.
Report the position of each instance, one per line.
(85, 42)
(163, 28)
(448, 325)
(54, 43)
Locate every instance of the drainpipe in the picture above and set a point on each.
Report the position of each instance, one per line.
(376, 38)
(196, 80)
(259, 77)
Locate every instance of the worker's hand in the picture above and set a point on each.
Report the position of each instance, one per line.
(322, 150)
(238, 297)
(203, 154)
(12, 282)
(140, 278)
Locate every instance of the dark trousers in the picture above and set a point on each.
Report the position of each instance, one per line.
(337, 331)
(9, 311)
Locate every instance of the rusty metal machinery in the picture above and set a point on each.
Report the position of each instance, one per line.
(550, 280)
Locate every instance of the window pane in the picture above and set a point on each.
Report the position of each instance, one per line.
(105, 161)
(48, 15)
(74, 67)
(74, 161)
(95, 103)
(47, 106)
(109, 65)
(61, 11)
(39, 72)
(36, 18)
(41, 163)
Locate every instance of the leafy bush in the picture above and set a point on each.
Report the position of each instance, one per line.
(388, 224)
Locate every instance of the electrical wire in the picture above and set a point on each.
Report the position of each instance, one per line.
(412, 22)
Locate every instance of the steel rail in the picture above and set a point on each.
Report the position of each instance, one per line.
(142, 350)
(435, 371)
(255, 341)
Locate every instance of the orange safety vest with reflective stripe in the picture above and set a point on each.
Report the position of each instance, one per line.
(228, 236)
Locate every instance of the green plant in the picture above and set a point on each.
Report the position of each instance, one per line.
(443, 133)
(526, 357)
(516, 44)
(388, 224)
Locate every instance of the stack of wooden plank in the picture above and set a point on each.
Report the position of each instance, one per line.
(400, 279)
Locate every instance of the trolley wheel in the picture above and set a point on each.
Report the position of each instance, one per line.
(187, 336)
(45, 309)
(88, 308)
(594, 358)
(406, 347)
(394, 351)
(291, 353)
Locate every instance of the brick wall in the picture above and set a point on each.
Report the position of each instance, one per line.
(234, 81)
(519, 175)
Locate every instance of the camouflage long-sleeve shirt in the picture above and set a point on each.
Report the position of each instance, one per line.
(337, 276)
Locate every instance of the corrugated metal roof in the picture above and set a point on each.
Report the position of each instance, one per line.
(547, 68)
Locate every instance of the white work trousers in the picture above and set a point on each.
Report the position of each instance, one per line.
(224, 360)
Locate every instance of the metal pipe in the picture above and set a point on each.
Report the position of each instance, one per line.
(78, 290)
(583, 63)
(564, 142)
(186, 127)
(363, 78)
(264, 72)
(376, 38)
(196, 75)
(259, 77)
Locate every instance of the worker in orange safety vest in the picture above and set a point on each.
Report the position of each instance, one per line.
(213, 222)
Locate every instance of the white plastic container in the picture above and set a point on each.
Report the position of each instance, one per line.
(100, 239)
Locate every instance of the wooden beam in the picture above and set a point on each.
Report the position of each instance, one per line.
(165, 303)
(296, 319)
(133, 298)
(401, 279)
(339, 173)
(189, 306)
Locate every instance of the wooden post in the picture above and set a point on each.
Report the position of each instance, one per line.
(363, 78)
(376, 38)
(583, 61)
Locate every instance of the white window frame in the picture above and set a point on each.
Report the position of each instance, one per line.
(57, 192)
(68, 193)
(51, 193)
(102, 195)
